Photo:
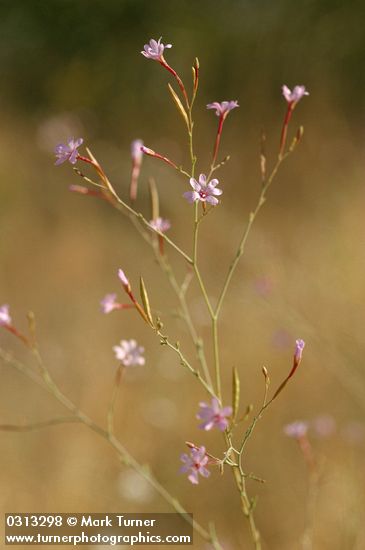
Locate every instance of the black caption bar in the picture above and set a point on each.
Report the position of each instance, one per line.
(77, 529)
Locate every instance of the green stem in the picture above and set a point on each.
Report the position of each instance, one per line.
(242, 244)
(216, 357)
(179, 291)
(123, 454)
(185, 363)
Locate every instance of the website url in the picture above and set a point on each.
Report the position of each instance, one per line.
(110, 540)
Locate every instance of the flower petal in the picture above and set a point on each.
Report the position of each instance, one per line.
(191, 196)
(212, 200)
(202, 179)
(195, 185)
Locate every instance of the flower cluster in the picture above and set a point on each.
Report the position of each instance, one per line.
(213, 416)
(203, 190)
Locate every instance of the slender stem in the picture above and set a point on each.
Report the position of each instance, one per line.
(162, 260)
(217, 141)
(185, 363)
(133, 212)
(164, 63)
(195, 260)
(246, 505)
(110, 416)
(284, 130)
(179, 291)
(216, 357)
(38, 425)
(123, 454)
(241, 247)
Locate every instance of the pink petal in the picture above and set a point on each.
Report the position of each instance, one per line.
(212, 200)
(195, 185)
(191, 196)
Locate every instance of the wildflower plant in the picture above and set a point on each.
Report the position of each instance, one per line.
(224, 416)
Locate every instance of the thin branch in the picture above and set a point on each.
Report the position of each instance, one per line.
(39, 425)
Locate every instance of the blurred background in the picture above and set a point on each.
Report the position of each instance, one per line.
(75, 69)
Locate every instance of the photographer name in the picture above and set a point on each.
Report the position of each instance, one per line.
(115, 521)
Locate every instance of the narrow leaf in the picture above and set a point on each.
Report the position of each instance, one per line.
(154, 199)
(235, 392)
(146, 302)
(179, 105)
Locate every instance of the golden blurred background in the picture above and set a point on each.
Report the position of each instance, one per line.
(75, 69)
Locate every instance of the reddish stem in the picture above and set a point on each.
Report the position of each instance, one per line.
(18, 334)
(284, 130)
(161, 157)
(85, 159)
(178, 79)
(161, 242)
(218, 139)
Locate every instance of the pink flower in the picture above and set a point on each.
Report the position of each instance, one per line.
(5, 319)
(136, 150)
(203, 191)
(222, 109)
(68, 152)
(160, 224)
(154, 50)
(129, 353)
(296, 429)
(292, 97)
(214, 416)
(123, 278)
(109, 303)
(195, 464)
(299, 346)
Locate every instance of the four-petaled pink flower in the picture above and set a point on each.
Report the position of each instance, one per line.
(129, 353)
(109, 303)
(292, 97)
(68, 152)
(213, 415)
(222, 109)
(154, 50)
(5, 318)
(160, 224)
(296, 429)
(203, 191)
(299, 346)
(195, 464)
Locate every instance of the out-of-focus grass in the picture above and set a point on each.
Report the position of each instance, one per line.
(302, 274)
